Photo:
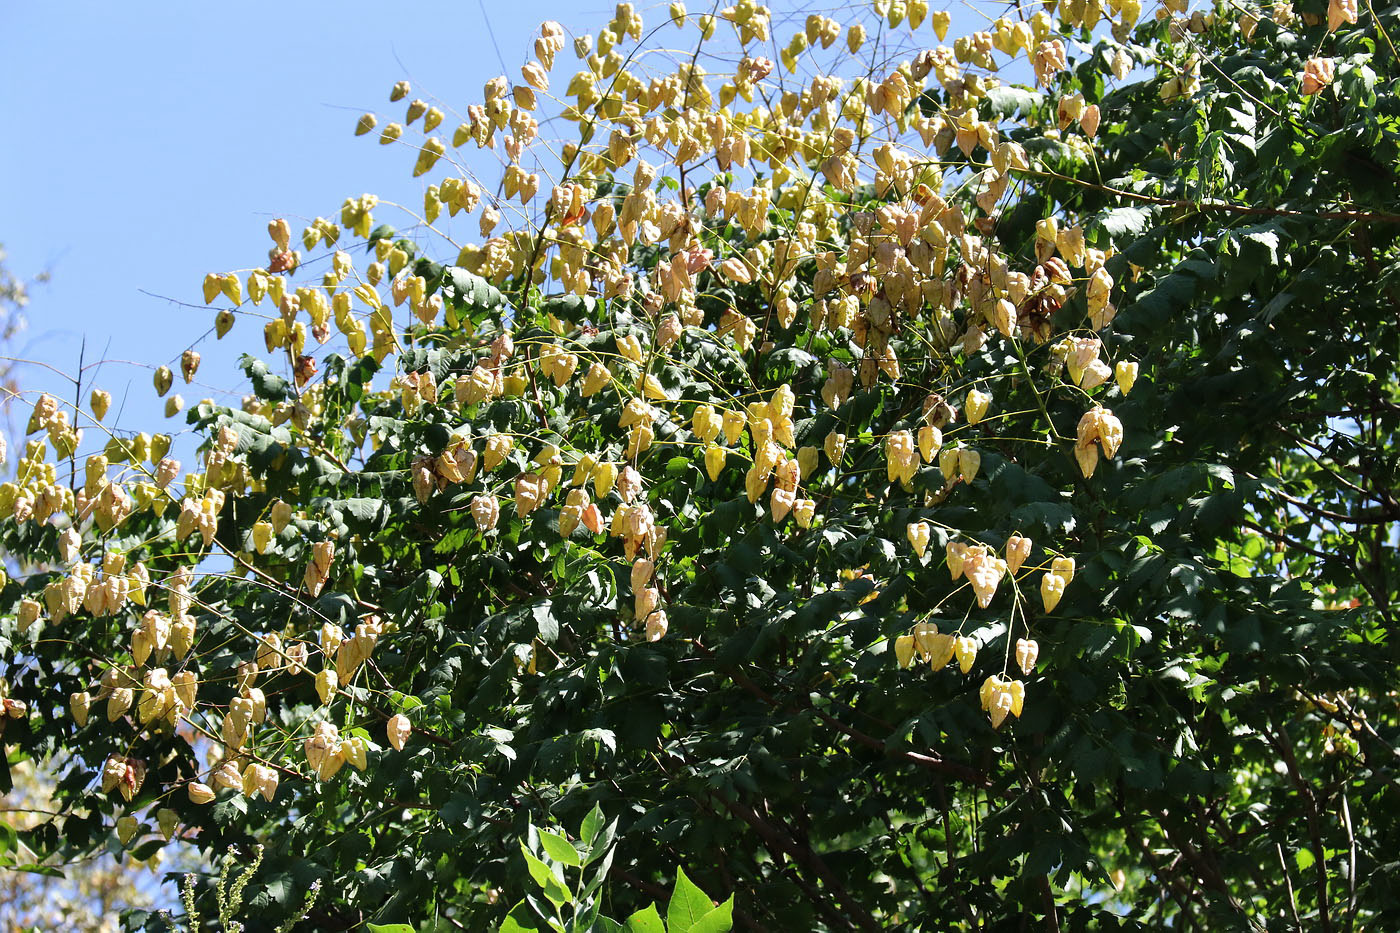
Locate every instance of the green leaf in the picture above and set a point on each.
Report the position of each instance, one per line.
(688, 904)
(646, 920)
(392, 928)
(592, 825)
(559, 848)
(1304, 859)
(521, 919)
(544, 877)
(718, 920)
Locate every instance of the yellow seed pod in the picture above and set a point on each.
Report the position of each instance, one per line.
(604, 478)
(1052, 587)
(855, 38)
(965, 650)
(904, 651)
(189, 364)
(808, 458)
(733, 424)
(755, 482)
(918, 535)
(1018, 550)
(391, 132)
(835, 447)
(630, 347)
(1126, 374)
(400, 91)
(199, 793)
(326, 684)
(163, 380)
(398, 729)
(941, 20)
(355, 750)
(948, 462)
(597, 377)
(126, 828)
(976, 405)
(262, 536)
(79, 704)
(969, 463)
(101, 400)
(1027, 650)
(223, 323)
(232, 288)
(1064, 567)
(211, 287)
(174, 405)
(930, 442)
(715, 457)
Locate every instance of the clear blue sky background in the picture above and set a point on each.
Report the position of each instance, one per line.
(147, 144)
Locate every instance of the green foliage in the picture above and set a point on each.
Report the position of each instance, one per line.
(576, 906)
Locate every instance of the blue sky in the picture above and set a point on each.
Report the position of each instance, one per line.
(148, 144)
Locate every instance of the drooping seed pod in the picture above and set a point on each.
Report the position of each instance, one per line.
(904, 651)
(965, 650)
(100, 401)
(1052, 587)
(1027, 650)
(398, 729)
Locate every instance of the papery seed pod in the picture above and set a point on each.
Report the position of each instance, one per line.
(78, 705)
(965, 650)
(398, 729)
(930, 442)
(223, 323)
(1064, 567)
(904, 650)
(656, 625)
(119, 702)
(199, 793)
(969, 463)
(126, 828)
(918, 535)
(1000, 706)
(163, 379)
(262, 536)
(113, 773)
(189, 364)
(1126, 374)
(168, 821)
(976, 405)
(326, 684)
(174, 405)
(1018, 550)
(100, 401)
(1027, 650)
(228, 775)
(948, 462)
(297, 652)
(1052, 587)
(363, 125)
(355, 751)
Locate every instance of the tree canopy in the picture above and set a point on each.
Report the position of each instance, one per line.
(927, 481)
